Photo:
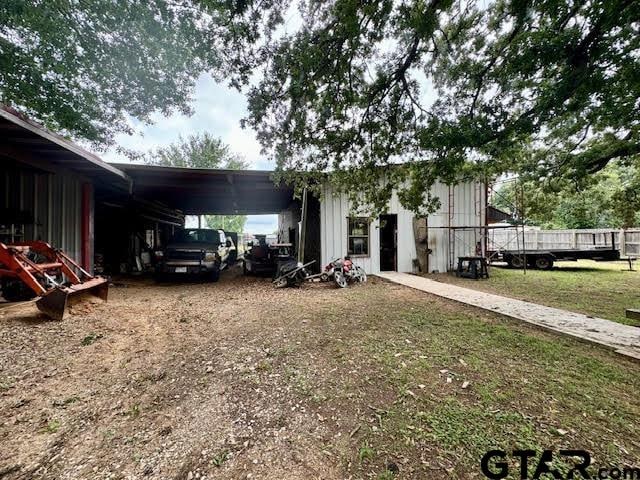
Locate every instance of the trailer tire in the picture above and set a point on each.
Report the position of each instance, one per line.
(515, 261)
(544, 262)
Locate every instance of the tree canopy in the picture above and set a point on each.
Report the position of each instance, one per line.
(610, 199)
(544, 87)
(202, 151)
(85, 68)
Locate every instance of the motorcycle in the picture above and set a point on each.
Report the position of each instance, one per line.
(343, 272)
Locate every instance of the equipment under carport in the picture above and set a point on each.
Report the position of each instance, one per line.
(30, 269)
(265, 258)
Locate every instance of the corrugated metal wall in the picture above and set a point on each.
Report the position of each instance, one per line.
(54, 199)
(467, 202)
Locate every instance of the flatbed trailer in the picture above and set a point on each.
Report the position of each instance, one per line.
(544, 259)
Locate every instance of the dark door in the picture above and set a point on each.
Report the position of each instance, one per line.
(388, 242)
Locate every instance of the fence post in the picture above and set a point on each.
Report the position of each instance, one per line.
(622, 242)
(574, 239)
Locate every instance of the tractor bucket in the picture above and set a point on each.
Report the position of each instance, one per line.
(54, 303)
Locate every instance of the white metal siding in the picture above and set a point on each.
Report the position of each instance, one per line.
(468, 207)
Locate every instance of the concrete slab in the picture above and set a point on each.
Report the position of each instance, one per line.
(624, 339)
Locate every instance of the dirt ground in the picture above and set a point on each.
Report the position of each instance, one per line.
(240, 380)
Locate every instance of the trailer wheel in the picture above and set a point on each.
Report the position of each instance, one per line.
(515, 261)
(544, 263)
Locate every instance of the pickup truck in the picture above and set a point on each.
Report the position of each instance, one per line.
(195, 251)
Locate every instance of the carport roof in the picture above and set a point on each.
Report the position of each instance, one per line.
(31, 143)
(198, 191)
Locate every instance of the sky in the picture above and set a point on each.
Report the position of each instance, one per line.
(218, 110)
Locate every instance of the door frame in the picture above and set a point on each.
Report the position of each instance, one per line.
(394, 216)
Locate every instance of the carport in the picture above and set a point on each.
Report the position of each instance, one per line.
(54, 190)
(196, 191)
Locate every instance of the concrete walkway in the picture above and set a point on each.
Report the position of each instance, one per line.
(624, 339)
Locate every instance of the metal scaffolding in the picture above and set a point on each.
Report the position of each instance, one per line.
(479, 242)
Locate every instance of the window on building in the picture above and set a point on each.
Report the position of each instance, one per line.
(358, 236)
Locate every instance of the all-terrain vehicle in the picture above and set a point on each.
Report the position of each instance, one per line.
(343, 272)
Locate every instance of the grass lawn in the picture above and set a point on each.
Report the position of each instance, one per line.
(599, 289)
(376, 382)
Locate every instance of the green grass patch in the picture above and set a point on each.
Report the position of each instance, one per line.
(527, 389)
(598, 289)
(90, 339)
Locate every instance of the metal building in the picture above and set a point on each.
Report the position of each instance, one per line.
(47, 187)
(388, 242)
(53, 190)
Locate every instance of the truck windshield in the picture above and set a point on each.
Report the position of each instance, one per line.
(197, 236)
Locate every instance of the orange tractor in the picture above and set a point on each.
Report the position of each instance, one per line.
(30, 269)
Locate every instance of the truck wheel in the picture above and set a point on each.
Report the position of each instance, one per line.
(215, 275)
(515, 261)
(544, 263)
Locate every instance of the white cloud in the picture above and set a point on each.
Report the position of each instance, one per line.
(218, 110)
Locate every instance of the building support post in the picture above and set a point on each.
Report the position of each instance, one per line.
(303, 227)
(87, 227)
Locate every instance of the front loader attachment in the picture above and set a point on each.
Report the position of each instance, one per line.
(49, 273)
(54, 303)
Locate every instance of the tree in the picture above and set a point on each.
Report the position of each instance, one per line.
(202, 151)
(452, 89)
(609, 200)
(229, 223)
(197, 151)
(83, 68)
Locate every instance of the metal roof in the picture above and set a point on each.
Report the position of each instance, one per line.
(190, 190)
(209, 191)
(33, 144)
